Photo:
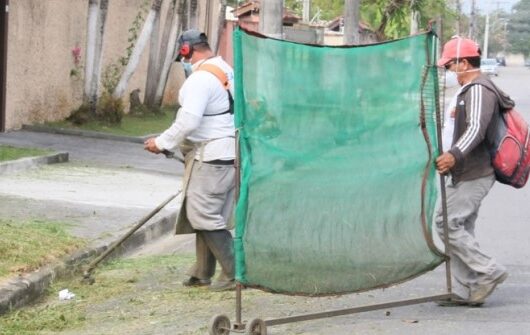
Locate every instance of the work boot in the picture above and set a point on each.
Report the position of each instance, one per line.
(196, 282)
(479, 294)
(220, 244)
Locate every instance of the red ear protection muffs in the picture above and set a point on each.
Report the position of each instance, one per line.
(185, 50)
(186, 42)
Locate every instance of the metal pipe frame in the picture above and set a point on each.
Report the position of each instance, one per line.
(239, 326)
(360, 309)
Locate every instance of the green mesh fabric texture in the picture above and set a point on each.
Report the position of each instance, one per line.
(337, 181)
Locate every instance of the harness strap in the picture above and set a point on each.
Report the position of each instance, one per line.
(216, 71)
(221, 75)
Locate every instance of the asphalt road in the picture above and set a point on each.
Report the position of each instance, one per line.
(96, 151)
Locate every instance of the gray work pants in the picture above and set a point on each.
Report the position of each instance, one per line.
(212, 246)
(470, 266)
(209, 204)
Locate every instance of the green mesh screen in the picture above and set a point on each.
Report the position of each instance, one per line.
(337, 184)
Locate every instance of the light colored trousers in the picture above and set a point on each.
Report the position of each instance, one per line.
(209, 205)
(470, 266)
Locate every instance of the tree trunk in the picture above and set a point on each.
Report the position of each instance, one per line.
(137, 52)
(184, 15)
(152, 68)
(168, 51)
(351, 22)
(220, 26)
(271, 18)
(194, 17)
(98, 55)
(414, 22)
(90, 46)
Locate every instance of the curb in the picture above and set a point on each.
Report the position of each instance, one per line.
(87, 133)
(31, 162)
(20, 291)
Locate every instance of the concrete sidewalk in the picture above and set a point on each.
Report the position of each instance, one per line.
(106, 187)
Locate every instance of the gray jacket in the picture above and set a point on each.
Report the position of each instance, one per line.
(477, 112)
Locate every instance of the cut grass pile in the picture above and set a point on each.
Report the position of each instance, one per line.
(8, 153)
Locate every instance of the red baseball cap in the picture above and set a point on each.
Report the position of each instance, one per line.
(458, 47)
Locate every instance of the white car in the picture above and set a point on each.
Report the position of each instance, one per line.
(489, 66)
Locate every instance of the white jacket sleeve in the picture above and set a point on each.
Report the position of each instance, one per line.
(184, 124)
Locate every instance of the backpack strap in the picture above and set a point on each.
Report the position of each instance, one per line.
(221, 75)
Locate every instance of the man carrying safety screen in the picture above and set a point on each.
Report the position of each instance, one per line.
(468, 162)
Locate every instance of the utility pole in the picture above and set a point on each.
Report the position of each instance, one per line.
(458, 17)
(486, 35)
(351, 22)
(306, 11)
(472, 21)
(271, 18)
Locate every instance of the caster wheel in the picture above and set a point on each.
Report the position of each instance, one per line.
(219, 325)
(256, 327)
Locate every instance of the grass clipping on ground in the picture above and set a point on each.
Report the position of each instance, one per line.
(8, 153)
(129, 296)
(28, 245)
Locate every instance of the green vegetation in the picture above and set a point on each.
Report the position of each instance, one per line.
(131, 125)
(8, 153)
(126, 291)
(519, 28)
(26, 246)
(390, 19)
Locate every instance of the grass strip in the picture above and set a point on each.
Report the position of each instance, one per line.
(131, 125)
(28, 245)
(9, 153)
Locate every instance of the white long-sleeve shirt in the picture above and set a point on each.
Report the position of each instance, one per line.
(201, 97)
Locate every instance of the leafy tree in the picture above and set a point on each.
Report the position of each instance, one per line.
(389, 18)
(519, 28)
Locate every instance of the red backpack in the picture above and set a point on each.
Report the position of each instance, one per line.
(510, 151)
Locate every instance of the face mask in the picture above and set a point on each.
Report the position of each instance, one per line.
(187, 68)
(450, 79)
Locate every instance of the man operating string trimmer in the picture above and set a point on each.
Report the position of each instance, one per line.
(204, 132)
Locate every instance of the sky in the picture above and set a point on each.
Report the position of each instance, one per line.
(486, 6)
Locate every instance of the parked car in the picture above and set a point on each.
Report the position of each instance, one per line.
(489, 66)
(527, 63)
(501, 61)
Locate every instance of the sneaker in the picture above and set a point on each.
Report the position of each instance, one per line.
(479, 295)
(195, 282)
(219, 286)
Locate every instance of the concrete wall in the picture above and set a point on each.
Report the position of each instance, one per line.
(41, 37)
(42, 33)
